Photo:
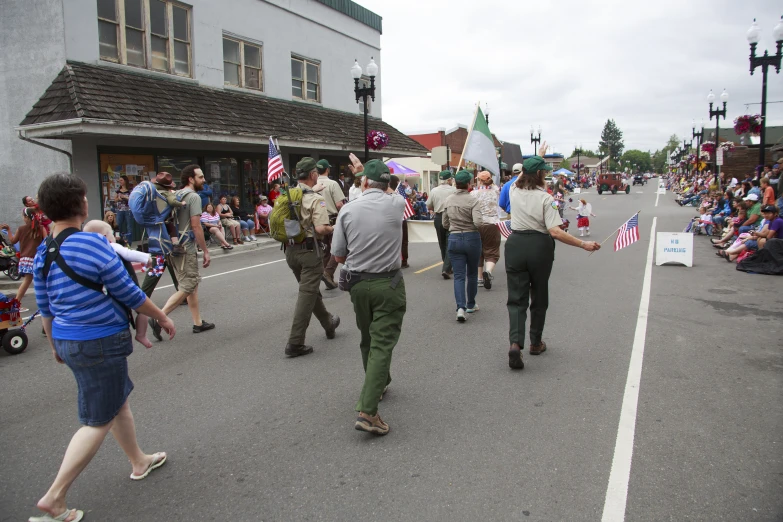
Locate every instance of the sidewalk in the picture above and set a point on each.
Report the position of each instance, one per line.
(8, 286)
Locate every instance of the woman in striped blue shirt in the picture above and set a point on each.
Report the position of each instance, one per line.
(88, 332)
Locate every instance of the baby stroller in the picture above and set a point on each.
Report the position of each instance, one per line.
(12, 331)
(9, 259)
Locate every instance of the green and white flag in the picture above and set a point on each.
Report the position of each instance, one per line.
(480, 147)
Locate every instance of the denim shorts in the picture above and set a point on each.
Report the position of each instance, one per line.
(100, 368)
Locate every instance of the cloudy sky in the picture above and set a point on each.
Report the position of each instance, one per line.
(569, 65)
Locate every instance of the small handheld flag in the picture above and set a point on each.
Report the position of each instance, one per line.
(627, 234)
(505, 228)
(275, 165)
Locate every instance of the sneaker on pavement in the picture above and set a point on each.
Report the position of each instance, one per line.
(480, 283)
(155, 328)
(203, 327)
(253, 237)
(295, 350)
(474, 309)
(537, 349)
(374, 425)
(488, 277)
(445, 275)
(461, 315)
(334, 322)
(329, 281)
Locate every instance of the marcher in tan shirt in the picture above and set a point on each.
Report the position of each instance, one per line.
(462, 217)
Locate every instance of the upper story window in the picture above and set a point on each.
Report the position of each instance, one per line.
(154, 34)
(242, 64)
(305, 79)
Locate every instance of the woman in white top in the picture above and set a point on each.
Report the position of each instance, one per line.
(487, 194)
(583, 212)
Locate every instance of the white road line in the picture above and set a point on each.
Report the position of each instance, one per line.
(657, 195)
(228, 272)
(617, 489)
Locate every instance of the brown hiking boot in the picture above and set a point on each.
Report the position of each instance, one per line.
(328, 280)
(515, 357)
(537, 349)
(371, 424)
(295, 350)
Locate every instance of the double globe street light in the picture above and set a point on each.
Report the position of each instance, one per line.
(724, 97)
(754, 35)
(364, 93)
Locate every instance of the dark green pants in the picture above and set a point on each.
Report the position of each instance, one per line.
(443, 242)
(308, 268)
(529, 259)
(379, 312)
(150, 282)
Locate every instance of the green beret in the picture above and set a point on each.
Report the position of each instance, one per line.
(322, 165)
(376, 170)
(535, 163)
(305, 167)
(446, 174)
(463, 176)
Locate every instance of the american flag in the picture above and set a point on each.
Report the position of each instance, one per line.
(275, 166)
(627, 234)
(505, 228)
(408, 207)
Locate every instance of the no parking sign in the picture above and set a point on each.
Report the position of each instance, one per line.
(674, 247)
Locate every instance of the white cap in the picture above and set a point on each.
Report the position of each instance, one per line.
(517, 168)
(751, 197)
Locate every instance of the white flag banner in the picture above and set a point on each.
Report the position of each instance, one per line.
(480, 147)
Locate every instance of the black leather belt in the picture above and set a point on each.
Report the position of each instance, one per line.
(529, 232)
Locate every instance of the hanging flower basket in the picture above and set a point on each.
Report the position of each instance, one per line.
(748, 124)
(377, 140)
(708, 147)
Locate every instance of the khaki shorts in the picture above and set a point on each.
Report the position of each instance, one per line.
(186, 269)
(228, 222)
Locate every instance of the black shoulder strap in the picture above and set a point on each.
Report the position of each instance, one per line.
(53, 255)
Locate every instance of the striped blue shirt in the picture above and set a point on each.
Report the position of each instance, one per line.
(81, 314)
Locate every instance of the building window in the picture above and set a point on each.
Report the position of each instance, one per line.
(153, 34)
(242, 64)
(305, 79)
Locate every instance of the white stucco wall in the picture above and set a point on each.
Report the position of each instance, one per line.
(303, 27)
(31, 55)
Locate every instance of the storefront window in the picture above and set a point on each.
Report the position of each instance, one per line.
(136, 167)
(174, 165)
(254, 182)
(223, 176)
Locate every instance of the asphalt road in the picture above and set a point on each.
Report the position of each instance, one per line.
(252, 435)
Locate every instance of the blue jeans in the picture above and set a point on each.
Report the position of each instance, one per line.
(247, 224)
(125, 225)
(743, 230)
(464, 252)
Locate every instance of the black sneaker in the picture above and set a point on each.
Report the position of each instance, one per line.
(334, 322)
(155, 329)
(203, 327)
(487, 280)
(445, 275)
(295, 350)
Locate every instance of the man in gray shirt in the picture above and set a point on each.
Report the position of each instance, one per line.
(367, 240)
(437, 203)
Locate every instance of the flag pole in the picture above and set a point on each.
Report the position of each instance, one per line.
(613, 233)
(472, 124)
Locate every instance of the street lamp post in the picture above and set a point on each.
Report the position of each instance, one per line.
(535, 140)
(764, 62)
(364, 93)
(724, 97)
(579, 152)
(698, 136)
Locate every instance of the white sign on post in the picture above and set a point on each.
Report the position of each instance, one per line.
(577, 190)
(674, 247)
(719, 156)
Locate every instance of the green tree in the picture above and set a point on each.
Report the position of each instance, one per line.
(641, 159)
(611, 143)
(565, 164)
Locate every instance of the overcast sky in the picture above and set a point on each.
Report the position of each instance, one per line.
(569, 65)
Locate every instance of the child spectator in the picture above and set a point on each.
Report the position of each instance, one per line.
(127, 256)
(29, 236)
(704, 222)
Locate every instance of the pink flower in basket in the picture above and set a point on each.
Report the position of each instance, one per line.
(377, 140)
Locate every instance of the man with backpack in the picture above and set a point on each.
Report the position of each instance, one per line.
(186, 265)
(303, 253)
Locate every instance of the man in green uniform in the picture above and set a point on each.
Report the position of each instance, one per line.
(333, 195)
(367, 240)
(305, 261)
(437, 203)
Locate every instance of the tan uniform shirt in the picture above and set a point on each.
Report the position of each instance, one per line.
(438, 197)
(462, 213)
(313, 211)
(332, 193)
(533, 210)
